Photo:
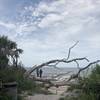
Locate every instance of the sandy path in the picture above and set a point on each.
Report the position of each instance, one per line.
(43, 97)
(59, 90)
(57, 94)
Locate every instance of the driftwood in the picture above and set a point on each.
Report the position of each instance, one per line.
(55, 62)
(53, 81)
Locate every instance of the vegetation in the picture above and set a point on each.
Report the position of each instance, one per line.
(9, 52)
(88, 88)
(27, 86)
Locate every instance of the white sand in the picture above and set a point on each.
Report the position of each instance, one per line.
(59, 90)
(56, 94)
(43, 97)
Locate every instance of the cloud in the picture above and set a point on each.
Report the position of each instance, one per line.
(46, 29)
(50, 19)
(7, 25)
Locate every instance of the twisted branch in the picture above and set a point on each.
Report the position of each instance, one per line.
(69, 51)
(54, 63)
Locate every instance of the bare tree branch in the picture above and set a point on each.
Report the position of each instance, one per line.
(44, 80)
(69, 51)
(28, 73)
(82, 69)
(92, 63)
(53, 63)
(54, 82)
(78, 66)
(57, 61)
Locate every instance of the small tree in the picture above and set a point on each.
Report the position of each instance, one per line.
(8, 49)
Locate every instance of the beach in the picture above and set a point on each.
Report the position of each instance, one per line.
(57, 93)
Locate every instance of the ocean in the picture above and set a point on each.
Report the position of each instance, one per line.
(50, 71)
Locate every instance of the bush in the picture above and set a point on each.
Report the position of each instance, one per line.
(12, 74)
(89, 87)
(61, 98)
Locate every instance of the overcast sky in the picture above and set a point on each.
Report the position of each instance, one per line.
(45, 29)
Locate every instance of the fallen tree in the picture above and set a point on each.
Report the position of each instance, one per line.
(53, 63)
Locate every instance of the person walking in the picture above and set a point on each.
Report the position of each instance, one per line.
(37, 72)
(41, 72)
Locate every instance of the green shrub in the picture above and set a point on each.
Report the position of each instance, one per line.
(89, 87)
(17, 74)
(61, 98)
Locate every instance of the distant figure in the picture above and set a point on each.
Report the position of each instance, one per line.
(41, 72)
(37, 72)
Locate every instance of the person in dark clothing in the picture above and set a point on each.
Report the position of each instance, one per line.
(37, 72)
(41, 72)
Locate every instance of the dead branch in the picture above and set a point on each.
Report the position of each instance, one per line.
(28, 73)
(53, 63)
(90, 64)
(52, 82)
(78, 66)
(82, 69)
(57, 83)
(49, 81)
(69, 51)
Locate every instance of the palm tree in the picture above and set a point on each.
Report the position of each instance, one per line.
(4, 45)
(8, 49)
(17, 52)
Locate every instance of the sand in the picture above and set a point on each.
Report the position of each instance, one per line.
(43, 97)
(57, 93)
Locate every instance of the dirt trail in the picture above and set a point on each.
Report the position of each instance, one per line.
(56, 94)
(44, 97)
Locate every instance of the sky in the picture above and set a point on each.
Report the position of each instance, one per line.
(45, 29)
